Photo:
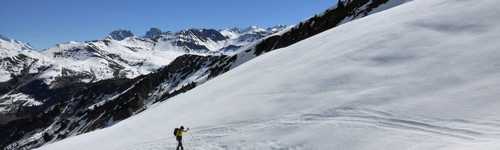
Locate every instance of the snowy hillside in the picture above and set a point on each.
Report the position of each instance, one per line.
(78, 87)
(11, 44)
(15, 56)
(108, 59)
(423, 75)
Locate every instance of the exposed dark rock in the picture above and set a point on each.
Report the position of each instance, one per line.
(153, 33)
(350, 9)
(204, 34)
(230, 48)
(120, 34)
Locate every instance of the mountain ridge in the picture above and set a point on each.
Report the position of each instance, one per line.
(421, 81)
(86, 106)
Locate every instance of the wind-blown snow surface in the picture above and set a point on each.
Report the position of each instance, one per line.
(423, 75)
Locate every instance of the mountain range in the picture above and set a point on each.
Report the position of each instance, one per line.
(423, 75)
(78, 87)
(32, 81)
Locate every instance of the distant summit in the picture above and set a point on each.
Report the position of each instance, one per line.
(121, 34)
(2, 37)
(153, 33)
(7, 43)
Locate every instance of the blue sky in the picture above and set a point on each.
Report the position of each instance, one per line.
(44, 23)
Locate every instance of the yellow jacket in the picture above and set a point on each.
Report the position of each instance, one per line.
(180, 132)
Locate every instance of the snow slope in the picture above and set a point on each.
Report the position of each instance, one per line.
(423, 75)
(109, 58)
(17, 57)
(11, 44)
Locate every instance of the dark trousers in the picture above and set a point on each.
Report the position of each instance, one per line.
(179, 143)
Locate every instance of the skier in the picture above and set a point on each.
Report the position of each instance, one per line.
(178, 135)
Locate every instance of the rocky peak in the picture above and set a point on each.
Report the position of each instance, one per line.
(204, 34)
(153, 33)
(121, 34)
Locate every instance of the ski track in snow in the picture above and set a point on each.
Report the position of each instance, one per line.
(207, 137)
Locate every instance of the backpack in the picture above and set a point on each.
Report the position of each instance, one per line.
(175, 131)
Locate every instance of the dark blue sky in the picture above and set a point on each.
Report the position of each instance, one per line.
(44, 23)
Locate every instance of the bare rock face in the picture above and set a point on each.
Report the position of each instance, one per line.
(153, 33)
(121, 34)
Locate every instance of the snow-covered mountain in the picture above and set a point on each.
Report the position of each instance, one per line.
(19, 63)
(82, 97)
(242, 37)
(11, 44)
(124, 55)
(15, 57)
(413, 77)
(34, 81)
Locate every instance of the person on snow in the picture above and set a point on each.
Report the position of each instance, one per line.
(178, 136)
